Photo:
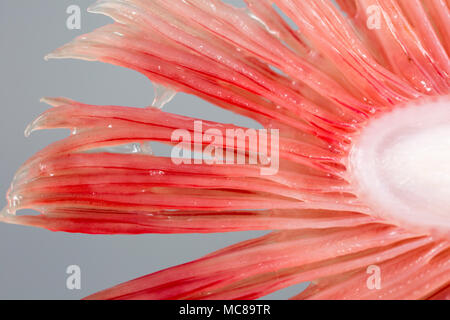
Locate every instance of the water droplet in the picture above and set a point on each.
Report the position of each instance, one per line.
(163, 95)
(33, 126)
(14, 202)
(156, 173)
(263, 23)
(135, 148)
(146, 148)
(121, 149)
(57, 102)
(5, 212)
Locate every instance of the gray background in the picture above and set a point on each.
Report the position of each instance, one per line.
(33, 261)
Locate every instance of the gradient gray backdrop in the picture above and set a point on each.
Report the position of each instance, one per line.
(33, 262)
